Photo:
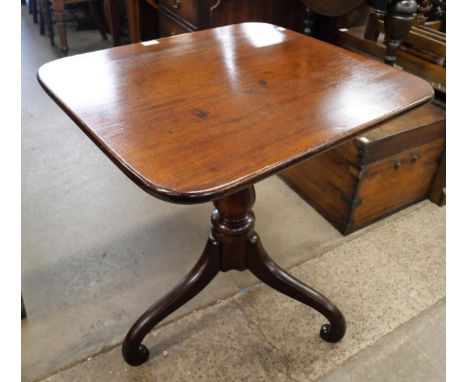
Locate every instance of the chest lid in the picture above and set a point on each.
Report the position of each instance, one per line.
(422, 125)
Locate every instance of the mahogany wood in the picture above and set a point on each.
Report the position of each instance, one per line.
(133, 351)
(133, 13)
(262, 266)
(204, 116)
(233, 245)
(265, 96)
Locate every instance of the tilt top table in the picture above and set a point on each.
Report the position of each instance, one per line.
(204, 116)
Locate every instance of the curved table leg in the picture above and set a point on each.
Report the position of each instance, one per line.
(134, 352)
(263, 267)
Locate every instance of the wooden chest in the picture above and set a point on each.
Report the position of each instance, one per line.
(381, 172)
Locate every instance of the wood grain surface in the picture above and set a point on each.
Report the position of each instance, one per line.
(194, 117)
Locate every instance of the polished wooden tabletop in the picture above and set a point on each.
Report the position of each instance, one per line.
(193, 117)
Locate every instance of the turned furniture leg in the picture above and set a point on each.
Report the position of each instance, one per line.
(233, 244)
(372, 27)
(309, 22)
(47, 20)
(34, 10)
(134, 352)
(398, 21)
(41, 17)
(133, 11)
(93, 9)
(112, 19)
(59, 8)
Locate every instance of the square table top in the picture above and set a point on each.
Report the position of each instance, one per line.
(193, 117)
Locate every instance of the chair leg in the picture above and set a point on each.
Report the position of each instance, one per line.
(41, 18)
(34, 10)
(97, 18)
(47, 20)
(59, 8)
(112, 19)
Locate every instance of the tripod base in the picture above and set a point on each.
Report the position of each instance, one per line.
(233, 244)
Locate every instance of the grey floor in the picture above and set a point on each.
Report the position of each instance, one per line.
(389, 283)
(96, 250)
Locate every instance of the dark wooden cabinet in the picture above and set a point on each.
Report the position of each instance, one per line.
(180, 16)
(170, 25)
(149, 19)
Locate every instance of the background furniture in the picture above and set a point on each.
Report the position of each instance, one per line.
(400, 162)
(182, 16)
(46, 7)
(111, 11)
(33, 9)
(247, 106)
(414, 35)
(414, 41)
(149, 19)
(377, 174)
